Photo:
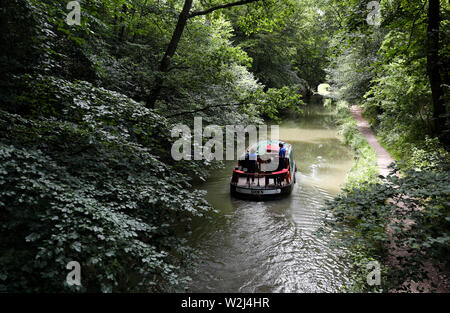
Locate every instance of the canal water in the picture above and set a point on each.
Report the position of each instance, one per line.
(271, 246)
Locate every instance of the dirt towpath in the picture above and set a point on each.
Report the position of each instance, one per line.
(383, 157)
(383, 161)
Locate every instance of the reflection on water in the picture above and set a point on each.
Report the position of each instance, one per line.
(270, 246)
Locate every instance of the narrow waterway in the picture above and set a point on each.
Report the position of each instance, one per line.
(271, 246)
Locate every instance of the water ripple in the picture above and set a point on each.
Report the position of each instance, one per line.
(271, 246)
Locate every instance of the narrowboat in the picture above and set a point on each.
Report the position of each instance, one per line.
(265, 171)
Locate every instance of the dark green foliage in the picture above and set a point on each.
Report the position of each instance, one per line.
(415, 207)
(86, 172)
(294, 53)
(86, 182)
(385, 69)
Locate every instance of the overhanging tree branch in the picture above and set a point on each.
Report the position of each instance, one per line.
(413, 26)
(173, 44)
(170, 51)
(223, 6)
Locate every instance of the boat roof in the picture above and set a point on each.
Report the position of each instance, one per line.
(263, 146)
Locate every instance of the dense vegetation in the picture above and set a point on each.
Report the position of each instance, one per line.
(86, 113)
(398, 72)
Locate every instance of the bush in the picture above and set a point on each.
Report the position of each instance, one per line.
(415, 206)
(82, 178)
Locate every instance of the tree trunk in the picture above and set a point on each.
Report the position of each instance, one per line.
(122, 29)
(433, 65)
(173, 44)
(171, 48)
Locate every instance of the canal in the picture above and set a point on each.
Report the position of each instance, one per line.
(271, 246)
